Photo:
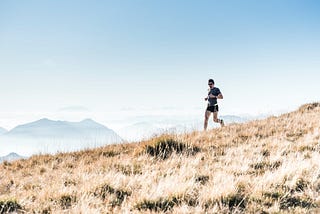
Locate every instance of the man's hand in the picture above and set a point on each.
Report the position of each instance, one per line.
(206, 98)
(212, 96)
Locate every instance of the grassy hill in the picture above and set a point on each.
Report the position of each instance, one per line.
(265, 166)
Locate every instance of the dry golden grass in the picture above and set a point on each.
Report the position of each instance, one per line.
(266, 166)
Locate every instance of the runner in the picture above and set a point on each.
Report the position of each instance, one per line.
(213, 95)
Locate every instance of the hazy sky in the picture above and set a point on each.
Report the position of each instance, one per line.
(118, 56)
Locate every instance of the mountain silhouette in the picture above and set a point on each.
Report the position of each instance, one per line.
(45, 128)
(11, 157)
(49, 136)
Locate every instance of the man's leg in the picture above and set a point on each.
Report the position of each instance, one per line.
(216, 120)
(206, 118)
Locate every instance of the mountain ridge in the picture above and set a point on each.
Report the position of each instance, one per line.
(56, 128)
(49, 136)
(11, 157)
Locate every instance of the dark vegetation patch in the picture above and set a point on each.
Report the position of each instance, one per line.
(109, 153)
(134, 169)
(6, 164)
(238, 200)
(164, 147)
(241, 138)
(42, 170)
(301, 185)
(295, 135)
(46, 211)
(265, 153)
(234, 202)
(9, 206)
(69, 182)
(66, 201)
(263, 166)
(290, 201)
(202, 179)
(116, 196)
(162, 204)
(307, 148)
(166, 204)
(288, 197)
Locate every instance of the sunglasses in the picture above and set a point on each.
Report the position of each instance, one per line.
(210, 84)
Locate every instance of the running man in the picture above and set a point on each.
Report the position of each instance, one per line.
(213, 95)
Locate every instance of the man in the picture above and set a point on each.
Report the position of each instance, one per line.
(213, 95)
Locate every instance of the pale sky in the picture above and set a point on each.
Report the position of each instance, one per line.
(116, 58)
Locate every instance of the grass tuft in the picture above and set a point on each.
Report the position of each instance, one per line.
(289, 201)
(202, 179)
(263, 166)
(66, 201)
(164, 147)
(106, 190)
(237, 200)
(161, 204)
(9, 206)
(301, 185)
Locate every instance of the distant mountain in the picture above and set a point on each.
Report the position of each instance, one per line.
(11, 157)
(2, 131)
(48, 136)
(45, 128)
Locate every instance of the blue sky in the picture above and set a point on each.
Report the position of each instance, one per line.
(117, 55)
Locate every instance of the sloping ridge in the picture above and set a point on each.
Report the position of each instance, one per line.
(293, 126)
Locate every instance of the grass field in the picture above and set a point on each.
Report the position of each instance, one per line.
(263, 166)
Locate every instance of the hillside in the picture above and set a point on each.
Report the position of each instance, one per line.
(263, 166)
